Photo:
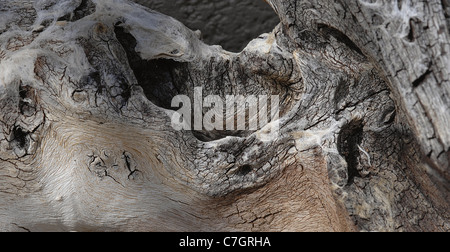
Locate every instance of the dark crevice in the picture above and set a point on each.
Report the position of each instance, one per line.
(161, 79)
(86, 8)
(421, 79)
(350, 137)
(95, 77)
(23, 228)
(389, 116)
(399, 4)
(27, 100)
(327, 31)
(341, 92)
(133, 171)
(415, 29)
(410, 36)
(19, 137)
(446, 7)
(20, 141)
(244, 170)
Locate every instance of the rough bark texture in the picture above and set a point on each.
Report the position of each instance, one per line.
(86, 140)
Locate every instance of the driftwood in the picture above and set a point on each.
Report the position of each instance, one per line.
(231, 24)
(88, 139)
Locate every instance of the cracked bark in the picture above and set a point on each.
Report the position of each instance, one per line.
(86, 141)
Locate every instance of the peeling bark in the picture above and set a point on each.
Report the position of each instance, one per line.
(87, 143)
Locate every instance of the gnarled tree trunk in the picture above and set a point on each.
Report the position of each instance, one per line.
(87, 140)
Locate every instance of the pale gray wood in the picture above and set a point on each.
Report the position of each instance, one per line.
(86, 141)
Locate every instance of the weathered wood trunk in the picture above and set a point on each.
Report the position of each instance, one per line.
(88, 140)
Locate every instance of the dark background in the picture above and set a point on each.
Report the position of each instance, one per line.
(229, 23)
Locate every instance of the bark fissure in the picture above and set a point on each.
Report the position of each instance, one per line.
(87, 136)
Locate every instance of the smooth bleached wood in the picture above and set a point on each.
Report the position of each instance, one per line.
(360, 141)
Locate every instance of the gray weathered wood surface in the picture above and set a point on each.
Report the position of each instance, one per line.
(86, 141)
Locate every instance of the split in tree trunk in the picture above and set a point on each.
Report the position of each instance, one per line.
(360, 141)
